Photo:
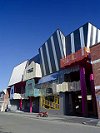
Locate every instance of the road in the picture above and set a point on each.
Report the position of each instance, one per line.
(20, 124)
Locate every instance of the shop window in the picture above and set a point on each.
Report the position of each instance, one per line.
(49, 91)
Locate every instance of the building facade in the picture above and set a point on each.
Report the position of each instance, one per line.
(70, 57)
(31, 76)
(23, 94)
(95, 56)
(60, 78)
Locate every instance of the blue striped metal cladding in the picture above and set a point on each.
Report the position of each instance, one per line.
(51, 52)
(58, 46)
(85, 36)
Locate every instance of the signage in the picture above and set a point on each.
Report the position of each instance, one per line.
(74, 57)
(12, 92)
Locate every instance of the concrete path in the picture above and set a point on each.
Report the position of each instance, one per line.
(67, 119)
(29, 123)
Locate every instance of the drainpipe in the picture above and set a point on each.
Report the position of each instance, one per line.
(83, 91)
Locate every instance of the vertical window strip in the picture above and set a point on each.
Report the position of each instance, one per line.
(82, 37)
(54, 53)
(44, 70)
(72, 43)
(89, 35)
(60, 45)
(48, 57)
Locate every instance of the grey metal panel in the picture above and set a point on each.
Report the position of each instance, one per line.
(77, 40)
(52, 60)
(48, 57)
(54, 53)
(45, 59)
(68, 44)
(60, 44)
(85, 33)
(57, 48)
(82, 37)
(42, 59)
(72, 43)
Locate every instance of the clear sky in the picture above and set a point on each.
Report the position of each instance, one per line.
(26, 24)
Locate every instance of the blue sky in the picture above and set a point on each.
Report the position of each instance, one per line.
(26, 24)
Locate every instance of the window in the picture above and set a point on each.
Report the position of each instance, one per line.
(30, 70)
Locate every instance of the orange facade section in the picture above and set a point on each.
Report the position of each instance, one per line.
(75, 57)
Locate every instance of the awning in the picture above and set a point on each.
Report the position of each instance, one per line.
(48, 78)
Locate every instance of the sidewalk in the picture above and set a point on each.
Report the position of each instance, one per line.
(67, 119)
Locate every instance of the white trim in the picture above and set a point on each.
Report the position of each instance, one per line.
(82, 37)
(96, 61)
(94, 35)
(97, 87)
(72, 43)
(54, 53)
(59, 40)
(43, 61)
(98, 39)
(63, 43)
(48, 56)
(89, 35)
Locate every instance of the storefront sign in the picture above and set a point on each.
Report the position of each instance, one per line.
(75, 57)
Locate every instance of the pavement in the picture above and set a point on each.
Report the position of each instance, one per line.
(65, 119)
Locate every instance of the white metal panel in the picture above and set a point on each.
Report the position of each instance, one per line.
(98, 39)
(82, 37)
(72, 43)
(89, 35)
(17, 74)
(63, 43)
(38, 70)
(60, 45)
(94, 35)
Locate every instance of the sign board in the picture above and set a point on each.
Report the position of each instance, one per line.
(12, 92)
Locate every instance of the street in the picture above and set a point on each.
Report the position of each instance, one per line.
(17, 123)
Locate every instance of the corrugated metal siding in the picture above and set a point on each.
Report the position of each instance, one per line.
(51, 52)
(87, 35)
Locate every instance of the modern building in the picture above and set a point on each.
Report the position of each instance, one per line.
(17, 87)
(66, 67)
(60, 78)
(23, 93)
(31, 76)
(50, 54)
